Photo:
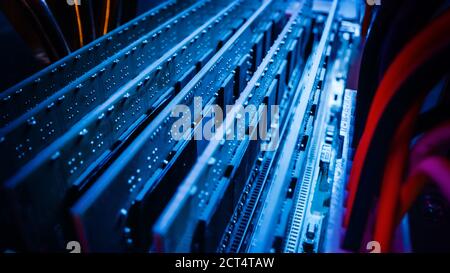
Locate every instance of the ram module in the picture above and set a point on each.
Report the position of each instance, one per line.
(24, 96)
(240, 226)
(138, 175)
(26, 136)
(63, 162)
(211, 190)
(288, 179)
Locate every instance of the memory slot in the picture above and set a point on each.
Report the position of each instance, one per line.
(144, 164)
(310, 196)
(262, 238)
(302, 168)
(240, 225)
(225, 179)
(71, 159)
(26, 95)
(212, 185)
(28, 135)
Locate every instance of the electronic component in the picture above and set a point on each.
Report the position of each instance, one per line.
(225, 126)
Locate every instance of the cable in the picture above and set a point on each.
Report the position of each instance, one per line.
(395, 169)
(55, 29)
(426, 44)
(395, 166)
(432, 142)
(402, 29)
(432, 169)
(393, 175)
(366, 20)
(80, 26)
(387, 214)
(107, 15)
(368, 78)
(417, 68)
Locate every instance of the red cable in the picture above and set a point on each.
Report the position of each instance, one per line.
(393, 175)
(416, 52)
(387, 215)
(435, 169)
(438, 139)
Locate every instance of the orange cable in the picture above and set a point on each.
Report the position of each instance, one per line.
(80, 26)
(107, 14)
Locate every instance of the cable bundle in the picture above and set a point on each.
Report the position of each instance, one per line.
(54, 28)
(383, 152)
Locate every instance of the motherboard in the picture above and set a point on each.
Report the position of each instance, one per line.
(199, 126)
